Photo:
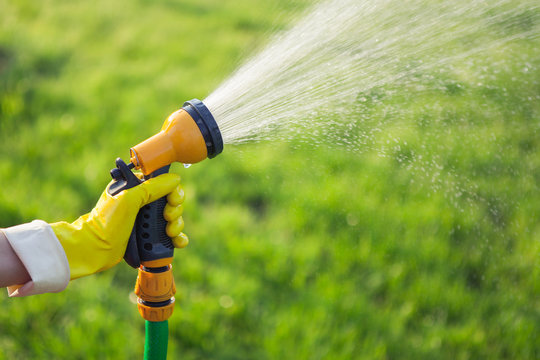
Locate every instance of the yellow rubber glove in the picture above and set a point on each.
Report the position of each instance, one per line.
(97, 241)
(173, 214)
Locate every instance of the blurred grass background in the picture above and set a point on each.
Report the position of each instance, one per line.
(297, 252)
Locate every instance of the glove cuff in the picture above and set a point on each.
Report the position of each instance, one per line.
(43, 257)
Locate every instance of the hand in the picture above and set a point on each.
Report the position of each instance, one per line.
(97, 241)
(173, 214)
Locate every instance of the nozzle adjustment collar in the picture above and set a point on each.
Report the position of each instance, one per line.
(207, 124)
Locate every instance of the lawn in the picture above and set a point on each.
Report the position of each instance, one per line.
(296, 251)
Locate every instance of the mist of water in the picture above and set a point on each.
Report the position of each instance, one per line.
(312, 76)
(353, 73)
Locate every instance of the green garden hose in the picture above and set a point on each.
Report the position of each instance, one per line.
(157, 336)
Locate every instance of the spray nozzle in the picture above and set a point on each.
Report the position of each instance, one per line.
(189, 135)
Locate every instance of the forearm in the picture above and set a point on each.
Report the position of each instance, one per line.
(32, 260)
(12, 270)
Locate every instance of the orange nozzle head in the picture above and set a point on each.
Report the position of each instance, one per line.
(188, 136)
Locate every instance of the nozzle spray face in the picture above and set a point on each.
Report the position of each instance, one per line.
(207, 124)
(189, 135)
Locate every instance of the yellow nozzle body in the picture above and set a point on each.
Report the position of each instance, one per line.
(189, 135)
(179, 140)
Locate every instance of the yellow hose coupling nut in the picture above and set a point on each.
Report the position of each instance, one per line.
(155, 313)
(155, 289)
(155, 286)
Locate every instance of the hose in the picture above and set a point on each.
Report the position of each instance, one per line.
(157, 336)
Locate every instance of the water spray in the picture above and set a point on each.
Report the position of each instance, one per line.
(189, 135)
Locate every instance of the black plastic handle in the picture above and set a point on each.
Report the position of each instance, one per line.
(148, 239)
(153, 243)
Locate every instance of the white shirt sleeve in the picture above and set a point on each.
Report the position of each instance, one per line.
(43, 257)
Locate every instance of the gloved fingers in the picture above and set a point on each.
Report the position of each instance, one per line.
(180, 241)
(155, 188)
(176, 197)
(175, 227)
(170, 213)
(173, 214)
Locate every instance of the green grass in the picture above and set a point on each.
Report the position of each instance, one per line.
(297, 252)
